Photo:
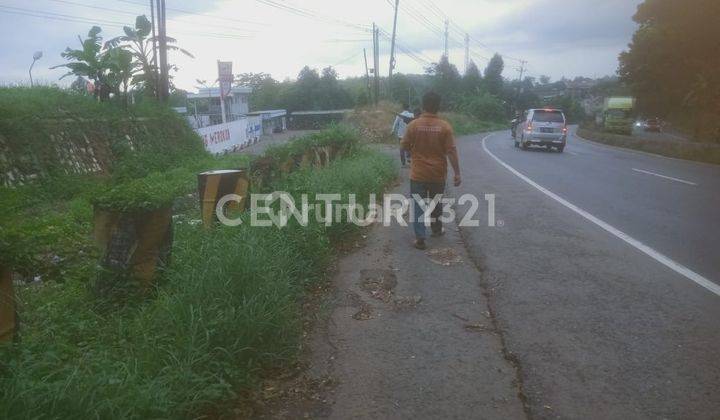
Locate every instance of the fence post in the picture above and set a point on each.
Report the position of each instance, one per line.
(132, 243)
(214, 185)
(8, 319)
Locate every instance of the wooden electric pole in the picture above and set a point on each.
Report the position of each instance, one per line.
(376, 61)
(392, 48)
(467, 52)
(162, 32)
(367, 76)
(447, 38)
(522, 69)
(156, 73)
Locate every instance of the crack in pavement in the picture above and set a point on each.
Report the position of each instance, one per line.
(508, 355)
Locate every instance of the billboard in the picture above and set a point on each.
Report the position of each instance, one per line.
(225, 77)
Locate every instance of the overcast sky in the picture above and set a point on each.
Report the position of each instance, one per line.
(557, 37)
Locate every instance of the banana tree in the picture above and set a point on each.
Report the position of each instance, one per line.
(139, 42)
(91, 62)
(122, 69)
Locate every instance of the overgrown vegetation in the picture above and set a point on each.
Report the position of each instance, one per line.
(464, 124)
(670, 66)
(697, 151)
(375, 123)
(136, 158)
(227, 308)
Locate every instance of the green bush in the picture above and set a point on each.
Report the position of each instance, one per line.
(464, 124)
(127, 143)
(484, 107)
(700, 152)
(228, 309)
(46, 220)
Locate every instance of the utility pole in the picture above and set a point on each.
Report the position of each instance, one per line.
(392, 47)
(376, 61)
(522, 69)
(447, 37)
(523, 63)
(162, 32)
(156, 74)
(367, 74)
(467, 52)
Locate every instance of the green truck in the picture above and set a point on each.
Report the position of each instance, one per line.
(618, 115)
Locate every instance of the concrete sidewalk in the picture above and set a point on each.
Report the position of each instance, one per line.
(409, 335)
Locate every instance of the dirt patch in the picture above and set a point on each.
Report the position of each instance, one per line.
(406, 303)
(379, 284)
(353, 300)
(444, 256)
(291, 398)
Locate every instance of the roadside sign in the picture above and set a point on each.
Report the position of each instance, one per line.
(225, 77)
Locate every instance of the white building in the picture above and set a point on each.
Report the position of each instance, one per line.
(205, 109)
(273, 121)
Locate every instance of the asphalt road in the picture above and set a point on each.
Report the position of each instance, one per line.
(596, 275)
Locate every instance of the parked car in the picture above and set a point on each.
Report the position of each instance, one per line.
(542, 127)
(653, 124)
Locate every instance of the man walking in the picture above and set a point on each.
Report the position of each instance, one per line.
(431, 141)
(399, 127)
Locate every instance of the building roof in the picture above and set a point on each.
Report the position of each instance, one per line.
(270, 113)
(214, 92)
(334, 111)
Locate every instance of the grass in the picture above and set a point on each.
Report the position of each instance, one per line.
(700, 152)
(376, 122)
(465, 124)
(38, 125)
(45, 224)
(227, 310)
(223, 312)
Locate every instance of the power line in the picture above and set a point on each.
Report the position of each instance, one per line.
(422, 19)
(438, 13)
(417, 53)
(126, 12)
(93, 21)
(434, 9)
(190, 12)
(307, 13)
(345, 60)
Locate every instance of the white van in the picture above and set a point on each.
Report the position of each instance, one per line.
(542, 127)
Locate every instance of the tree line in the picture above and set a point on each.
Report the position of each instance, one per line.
(486, 94)
(673, 65)
(127, 65)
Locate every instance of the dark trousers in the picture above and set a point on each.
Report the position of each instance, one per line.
(425, 190)
(404, 155)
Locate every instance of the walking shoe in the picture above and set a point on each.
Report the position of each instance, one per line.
(438, 232)
(420, 244)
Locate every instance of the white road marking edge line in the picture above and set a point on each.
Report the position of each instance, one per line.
(657, 256)
(664, 176)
